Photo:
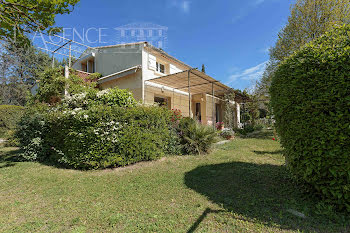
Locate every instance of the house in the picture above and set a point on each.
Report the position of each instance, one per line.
(155, 77)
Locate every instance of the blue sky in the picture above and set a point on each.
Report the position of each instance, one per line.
(230, 37)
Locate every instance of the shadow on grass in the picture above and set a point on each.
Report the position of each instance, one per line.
(261, 134)
(276, 152)
(260, 193)
(9, 157)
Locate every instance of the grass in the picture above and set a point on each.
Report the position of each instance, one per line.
(241, 187)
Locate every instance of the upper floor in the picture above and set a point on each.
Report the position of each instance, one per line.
(109, 60)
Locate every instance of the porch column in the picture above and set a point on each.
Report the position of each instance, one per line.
(189, 94)
(213, 110)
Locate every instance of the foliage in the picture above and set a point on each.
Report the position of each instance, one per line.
(31, 130)
(219, 125)
(310, 99)
(109, 137)
(12, 140)
(97, 129)
(227, 133)
(9, 116)
(52, 86)
(20, 67)
(93, 97)
(247, 129)
(203, 68)
(196, 138)
(252, 107)
(27, 16)
(309, 19)
(229, 109)
(176, 116)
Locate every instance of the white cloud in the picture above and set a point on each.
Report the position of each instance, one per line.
(182, 5)
(244, 11)
(185, 6)
(251, 74)
(258, 2)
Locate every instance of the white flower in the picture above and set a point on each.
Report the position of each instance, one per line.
(101, 93)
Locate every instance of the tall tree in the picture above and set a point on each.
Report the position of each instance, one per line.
(20, 66)
(18, 17)
(203, 68)
(309, 19)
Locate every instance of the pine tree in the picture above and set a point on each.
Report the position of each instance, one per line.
(203, 68)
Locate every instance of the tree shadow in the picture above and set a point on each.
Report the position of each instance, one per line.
(276, 152)
(9, 158)
(262, 193)
(261, 134)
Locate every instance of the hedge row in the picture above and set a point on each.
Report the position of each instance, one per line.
(99, 137)
(310, 96)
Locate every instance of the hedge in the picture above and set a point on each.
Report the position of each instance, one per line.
(9, 116)
(310, 96)
(97, 129)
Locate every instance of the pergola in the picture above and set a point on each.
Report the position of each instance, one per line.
(194, 82)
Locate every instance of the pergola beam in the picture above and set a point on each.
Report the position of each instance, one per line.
(196, 85)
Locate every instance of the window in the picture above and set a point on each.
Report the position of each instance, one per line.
(160, 68)
(161, 101)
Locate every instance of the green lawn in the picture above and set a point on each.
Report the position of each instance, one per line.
(241, 187)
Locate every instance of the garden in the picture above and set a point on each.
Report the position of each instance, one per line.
(70, 123)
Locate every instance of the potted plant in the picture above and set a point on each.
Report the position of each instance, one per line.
(220, 125)
(227, 134)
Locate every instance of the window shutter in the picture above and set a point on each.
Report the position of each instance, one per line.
(152, 62)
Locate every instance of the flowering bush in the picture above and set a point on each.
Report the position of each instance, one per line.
(176, 115)
(92, 97)
(219, 125)
(91, 136)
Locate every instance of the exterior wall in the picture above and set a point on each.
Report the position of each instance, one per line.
(110, 60)
(209, 101)
(175, 100)
(149, 71)
(131, 82)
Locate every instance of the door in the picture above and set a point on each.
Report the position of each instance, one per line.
(198, 112)
(217, 113)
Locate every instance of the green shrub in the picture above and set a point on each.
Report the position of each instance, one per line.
(247, 129)
(84, 134)
(196, 138)
(227, 133)
(51, 86)
(9, 116)
(12, 140)
(310, 96)
(94, 97)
